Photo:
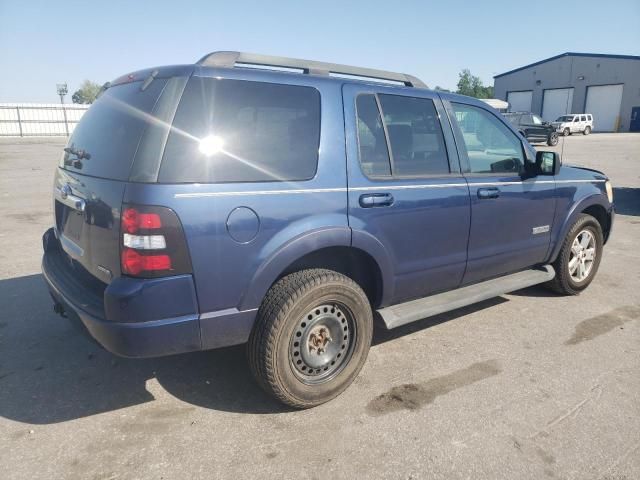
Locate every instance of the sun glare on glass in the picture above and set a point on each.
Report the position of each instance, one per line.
(210, 145)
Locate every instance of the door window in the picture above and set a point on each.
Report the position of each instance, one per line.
(415, 136)
(583, 118)
(526, 120)
(491, 146)
(372, 143)
(405, 141)
(536, 120)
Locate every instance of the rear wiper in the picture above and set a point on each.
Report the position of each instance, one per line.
(80, 154)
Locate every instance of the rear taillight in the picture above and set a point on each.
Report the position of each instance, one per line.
(152, 242)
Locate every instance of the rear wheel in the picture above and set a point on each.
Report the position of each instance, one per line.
(587, 130)
(311, 338)
(579, 258)
(552, 141)
(566, 132)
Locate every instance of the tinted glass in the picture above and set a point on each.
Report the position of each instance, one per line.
(372, 144)
(240, 131)
(583, 118)
(111, 129)
(415, 135)
(491, 146)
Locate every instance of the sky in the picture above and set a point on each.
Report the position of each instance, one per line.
(43, 43)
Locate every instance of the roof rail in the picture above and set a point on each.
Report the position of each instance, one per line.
(229, 60)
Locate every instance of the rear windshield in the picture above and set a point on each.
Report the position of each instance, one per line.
(110, 130)
(242, 131)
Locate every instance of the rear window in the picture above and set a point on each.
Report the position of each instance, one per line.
(110, 130)
(243, 131)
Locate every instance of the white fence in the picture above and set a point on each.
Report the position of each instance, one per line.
(39, 119)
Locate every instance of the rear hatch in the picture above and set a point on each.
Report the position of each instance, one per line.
(91, 178)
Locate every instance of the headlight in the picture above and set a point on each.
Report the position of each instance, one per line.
(609, 189)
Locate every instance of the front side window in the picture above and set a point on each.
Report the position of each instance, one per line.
(491, 146)
(242, 131)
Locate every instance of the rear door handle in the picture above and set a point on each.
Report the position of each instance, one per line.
(371, 200)
(484, 193)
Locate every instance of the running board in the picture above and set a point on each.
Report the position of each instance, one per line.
(408, 312)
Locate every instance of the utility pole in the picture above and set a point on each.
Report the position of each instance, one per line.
(62, 91)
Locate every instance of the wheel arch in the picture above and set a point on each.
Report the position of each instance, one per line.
(329, 248)
(593, 205)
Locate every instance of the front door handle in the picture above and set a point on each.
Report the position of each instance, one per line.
(492, 192)
(371, 200)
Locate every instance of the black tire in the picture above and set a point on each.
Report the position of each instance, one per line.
(566, 132)
(281, 317)
(552, 141)
(563, 283)
(587, 130)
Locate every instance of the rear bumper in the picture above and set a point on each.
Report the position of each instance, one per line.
(132, 317)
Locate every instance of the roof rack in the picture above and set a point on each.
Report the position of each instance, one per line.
(310, 67)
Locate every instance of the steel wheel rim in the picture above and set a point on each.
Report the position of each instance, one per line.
(322, 343)
(583, 255)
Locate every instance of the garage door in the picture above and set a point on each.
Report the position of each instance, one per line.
(557, 102)
(604, 103)
(519, 101)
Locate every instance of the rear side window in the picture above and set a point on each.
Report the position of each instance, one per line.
(242, 131)
(372, 143)
(110, 130)
(409, 127)
(415, 135)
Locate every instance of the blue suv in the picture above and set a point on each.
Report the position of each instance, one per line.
(281, 203)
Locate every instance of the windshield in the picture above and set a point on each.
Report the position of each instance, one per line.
(565, 118)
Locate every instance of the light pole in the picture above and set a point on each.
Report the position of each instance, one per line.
(62, 91)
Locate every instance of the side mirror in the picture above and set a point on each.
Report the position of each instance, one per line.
(548, 163)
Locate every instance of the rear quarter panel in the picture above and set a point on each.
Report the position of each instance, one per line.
(310, 214)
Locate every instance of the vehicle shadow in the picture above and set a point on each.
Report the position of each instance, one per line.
(51, 372)
(627, 200)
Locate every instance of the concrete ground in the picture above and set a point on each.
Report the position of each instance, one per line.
(528, 385)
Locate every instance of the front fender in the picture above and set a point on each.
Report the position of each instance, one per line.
(570, 219)
(286, 254)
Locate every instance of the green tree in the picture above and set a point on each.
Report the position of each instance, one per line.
(472, 86)
(87, 92)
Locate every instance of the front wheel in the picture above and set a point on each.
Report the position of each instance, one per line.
(552, 141)
(311, 338)
(566, 132)
(579, 257)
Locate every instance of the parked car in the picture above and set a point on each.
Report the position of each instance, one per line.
(574, 123)
(215, 204)
(533, 128)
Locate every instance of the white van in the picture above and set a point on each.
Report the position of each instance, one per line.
(574, 123)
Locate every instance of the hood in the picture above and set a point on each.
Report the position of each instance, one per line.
(579, 173)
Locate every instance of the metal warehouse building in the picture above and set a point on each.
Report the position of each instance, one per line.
(607, 86)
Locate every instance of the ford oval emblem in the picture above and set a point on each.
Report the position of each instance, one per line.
(65, 191)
